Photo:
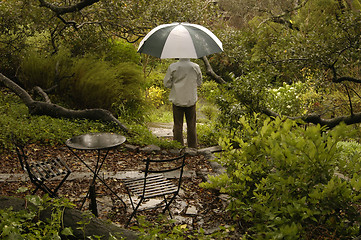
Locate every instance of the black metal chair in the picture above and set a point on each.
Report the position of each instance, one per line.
(155, 184)
(40, 172)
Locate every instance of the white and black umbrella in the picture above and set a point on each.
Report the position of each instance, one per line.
(180, 40)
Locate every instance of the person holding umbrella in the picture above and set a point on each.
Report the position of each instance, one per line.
(183, 41)
(183, 78)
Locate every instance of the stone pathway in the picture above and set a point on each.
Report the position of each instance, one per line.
(164, 130)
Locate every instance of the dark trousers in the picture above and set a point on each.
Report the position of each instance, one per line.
(178, 116)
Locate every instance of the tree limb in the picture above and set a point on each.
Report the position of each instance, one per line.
(349, 79)
(211, 73)
(53, 110)
(68, 9)
(40, 91)
(316, 119)
(281, 17)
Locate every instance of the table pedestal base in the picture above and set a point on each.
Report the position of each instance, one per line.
(93, 201)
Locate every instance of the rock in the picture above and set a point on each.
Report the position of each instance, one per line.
(131, 147)
(150, 148)
(190, 151)
(95, 227)
(192, 210)
(218, 169)
(175, 151)
(210, 150)
(183, 220)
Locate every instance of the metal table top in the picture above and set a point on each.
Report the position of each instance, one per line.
(95, 141)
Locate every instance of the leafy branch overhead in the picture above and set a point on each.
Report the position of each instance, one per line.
(129, 20)
(317, 43)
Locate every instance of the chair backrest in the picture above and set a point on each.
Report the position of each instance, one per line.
(23, 158)
(41, 170)
(165, 166)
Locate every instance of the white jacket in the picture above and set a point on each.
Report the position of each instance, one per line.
(183, 78)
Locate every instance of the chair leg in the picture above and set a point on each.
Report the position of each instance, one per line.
(168, 204)
(41, 185)
(61, 183)
(130, 198)
(134, 211)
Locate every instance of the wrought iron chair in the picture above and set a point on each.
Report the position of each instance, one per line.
(41, 172)
(154, 184)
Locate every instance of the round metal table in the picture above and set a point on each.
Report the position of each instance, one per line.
(96, 142)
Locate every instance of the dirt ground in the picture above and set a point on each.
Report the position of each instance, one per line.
(196, 207)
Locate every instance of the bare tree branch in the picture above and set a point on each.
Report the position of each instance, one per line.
(211, 73)
(349, 98)
(41, 92)
(53, 110)
(316, 119)
(68, 9)
(281, 17)
(349, 79)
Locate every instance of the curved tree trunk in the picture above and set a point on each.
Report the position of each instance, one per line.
(53, 110)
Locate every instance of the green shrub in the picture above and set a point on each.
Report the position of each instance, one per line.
(165, 229)
(244, 96)
(141, 136)
(291, 100)
(38, 69)
(209, 91)
(122, 51)
(282, 180)
(17, 123)
(99, 84)
(209, 134)
(26, 224)
(163, 114)
(349, 155)
(89, 82)
(210, 112)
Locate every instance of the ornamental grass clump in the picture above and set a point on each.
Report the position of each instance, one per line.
(284, 184)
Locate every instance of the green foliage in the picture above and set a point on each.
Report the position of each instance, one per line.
(98, 84)
(166, 229)
(291, 99)
(349, 154)
(26, 224)
(209, 111)
(122, 51)
(282, 180)
(163, 114)
(209, 91)
(145, 14)
(237, 55)
(13, 35)
(17, 123)
(38, 69)
(243, 96)
(142, 136)
(209, 134)
(311, 44)
(157, 96)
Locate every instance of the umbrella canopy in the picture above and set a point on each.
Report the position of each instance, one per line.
(180, 40)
